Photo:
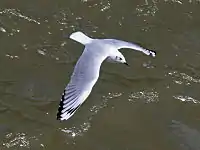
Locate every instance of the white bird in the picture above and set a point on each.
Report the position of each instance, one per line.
(86, 71)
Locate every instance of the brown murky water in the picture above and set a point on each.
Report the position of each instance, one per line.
(152, 105)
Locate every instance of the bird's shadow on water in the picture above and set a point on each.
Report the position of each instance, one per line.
(186, 137)
(82, 120)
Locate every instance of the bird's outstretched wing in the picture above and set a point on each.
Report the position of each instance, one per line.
(85, 75)
(122, 44)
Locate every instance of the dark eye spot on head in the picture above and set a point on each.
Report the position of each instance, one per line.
(120, 58)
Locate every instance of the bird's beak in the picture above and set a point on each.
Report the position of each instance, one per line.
(126, 64)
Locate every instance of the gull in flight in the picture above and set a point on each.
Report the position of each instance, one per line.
(86, 71)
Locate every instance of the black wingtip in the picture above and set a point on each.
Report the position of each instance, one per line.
(152, 53)
(60, 108)
(70, 111)
(59, 113)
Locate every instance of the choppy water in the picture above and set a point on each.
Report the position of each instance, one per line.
(152, 105)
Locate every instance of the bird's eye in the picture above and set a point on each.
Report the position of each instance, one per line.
(120, 58)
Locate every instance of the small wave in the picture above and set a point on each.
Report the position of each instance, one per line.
(12, 56)
(17, 13)
(103, 5)
(41, 52)
(146, 96)
(2, 29)
(77, 131)
(180, 78)
(174, 1)
(186, 99)
(147, 9)
(13, 140)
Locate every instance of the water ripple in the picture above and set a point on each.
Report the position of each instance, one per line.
(17, 140)
(2, 29)
(174, 1)
(147, 9)
(180, 77)
(103, 5)
(17, 13)
(187, 137)
(146, 96)
(12, 56)
(77, 131)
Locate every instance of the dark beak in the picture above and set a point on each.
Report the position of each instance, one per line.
(126, 64)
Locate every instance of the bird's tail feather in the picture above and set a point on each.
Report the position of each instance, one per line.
(80, 37)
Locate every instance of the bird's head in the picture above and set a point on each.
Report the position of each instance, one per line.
(117, 57)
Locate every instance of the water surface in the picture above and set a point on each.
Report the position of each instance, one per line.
(152, 105)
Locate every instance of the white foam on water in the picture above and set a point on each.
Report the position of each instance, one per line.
(146, 96)
(14, 140)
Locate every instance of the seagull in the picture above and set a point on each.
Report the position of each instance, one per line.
(86, 71)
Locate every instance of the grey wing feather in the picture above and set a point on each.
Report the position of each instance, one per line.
(69, 103)
(85, 75)
(122, 44)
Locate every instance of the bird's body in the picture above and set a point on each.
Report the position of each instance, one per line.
(86, 71)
